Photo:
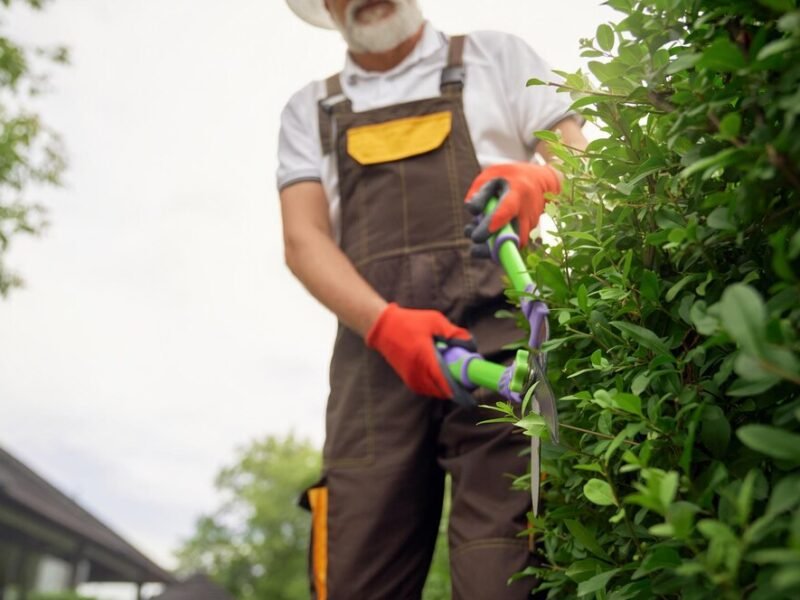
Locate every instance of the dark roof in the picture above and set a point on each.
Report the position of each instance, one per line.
(43, 513)
(196, 587)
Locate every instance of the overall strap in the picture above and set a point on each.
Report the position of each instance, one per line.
(334, 101)
(453, 75)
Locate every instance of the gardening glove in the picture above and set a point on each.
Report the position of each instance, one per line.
(405, 337)
(520, 188)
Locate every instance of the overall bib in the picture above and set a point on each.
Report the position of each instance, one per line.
(403, 173)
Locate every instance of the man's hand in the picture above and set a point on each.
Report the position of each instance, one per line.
(520, 189)
(405, 338)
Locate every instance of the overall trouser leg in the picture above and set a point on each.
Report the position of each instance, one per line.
(486, 515)
(384, 484)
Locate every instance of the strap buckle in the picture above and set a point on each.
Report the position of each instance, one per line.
(455, 75)
(328, 104)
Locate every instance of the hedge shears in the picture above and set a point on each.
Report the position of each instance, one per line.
(467, 370)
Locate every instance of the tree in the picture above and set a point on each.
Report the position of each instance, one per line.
(674, 284)
(30, 153)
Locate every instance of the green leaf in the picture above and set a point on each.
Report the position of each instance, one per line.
(596, 583)
(640, 383)
(680, 515)
(721, 159)
(585, 538)
(730, 125)
(776, 47)
(551, 276)
(657, 560)
(605, 37)
(794, 246)
(785, 495)
(705, 322)
(715, 432)
(649, 286)
(581, 570)
(599, 492)
(663, 530)
(590, 467)
(606, 72)
(668, 488)
(744, 499)
(683, 62)
(643, 336)
(532, 424)
(718, 219)
(547, 136)
(775, 556)
(744, 317)
(627, 402)
(722, 55)
(716, 530)
(771, 441)
(673, 291)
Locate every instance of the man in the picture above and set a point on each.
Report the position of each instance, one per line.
(375, 165)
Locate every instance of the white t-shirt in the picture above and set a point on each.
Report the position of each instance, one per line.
(501, 112)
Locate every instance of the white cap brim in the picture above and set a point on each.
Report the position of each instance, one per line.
(312, 12)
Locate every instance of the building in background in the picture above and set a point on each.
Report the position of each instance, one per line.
(196, 587)
(48, 543)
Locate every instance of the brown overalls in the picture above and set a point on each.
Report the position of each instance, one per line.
(403, 174)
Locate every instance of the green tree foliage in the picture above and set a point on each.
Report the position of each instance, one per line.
(437, 585)
(256, 543)
(674, 286)
(57, 596)
(30, 153)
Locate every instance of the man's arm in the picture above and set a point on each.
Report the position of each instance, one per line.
(571, 135)
(317, 261)
(403, 336)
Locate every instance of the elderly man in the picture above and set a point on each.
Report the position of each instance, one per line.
(375, 165)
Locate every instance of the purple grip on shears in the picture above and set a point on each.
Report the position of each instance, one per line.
(504, 386)
(536, 312)
(499, 241)
(455, 353)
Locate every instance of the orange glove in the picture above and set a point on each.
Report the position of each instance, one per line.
(405, 338)
(520, 189)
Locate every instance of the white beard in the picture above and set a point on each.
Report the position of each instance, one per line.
(386, 33)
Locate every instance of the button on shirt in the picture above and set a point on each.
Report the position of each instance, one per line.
(501, 112)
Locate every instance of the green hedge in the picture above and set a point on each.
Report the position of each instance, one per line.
(674, 288)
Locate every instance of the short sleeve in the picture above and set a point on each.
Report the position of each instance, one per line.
(533, 108)
(299, 153)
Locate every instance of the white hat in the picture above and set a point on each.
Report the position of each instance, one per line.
(312, 11)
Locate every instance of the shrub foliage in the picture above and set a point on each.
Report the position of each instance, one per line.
(673, 284)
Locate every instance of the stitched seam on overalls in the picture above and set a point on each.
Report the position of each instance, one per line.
(489, 543)
(412, 250)
(369, 458)
(437, 272)
(369, 417)
(456, 204)
(407, 290)
(362, 220)
(404, 192)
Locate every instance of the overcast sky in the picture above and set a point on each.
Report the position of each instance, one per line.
(159, 329)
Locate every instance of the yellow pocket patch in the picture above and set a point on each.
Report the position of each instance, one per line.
(318, 499)
(398, 139)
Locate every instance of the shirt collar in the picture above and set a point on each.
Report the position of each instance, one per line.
(431, 41)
